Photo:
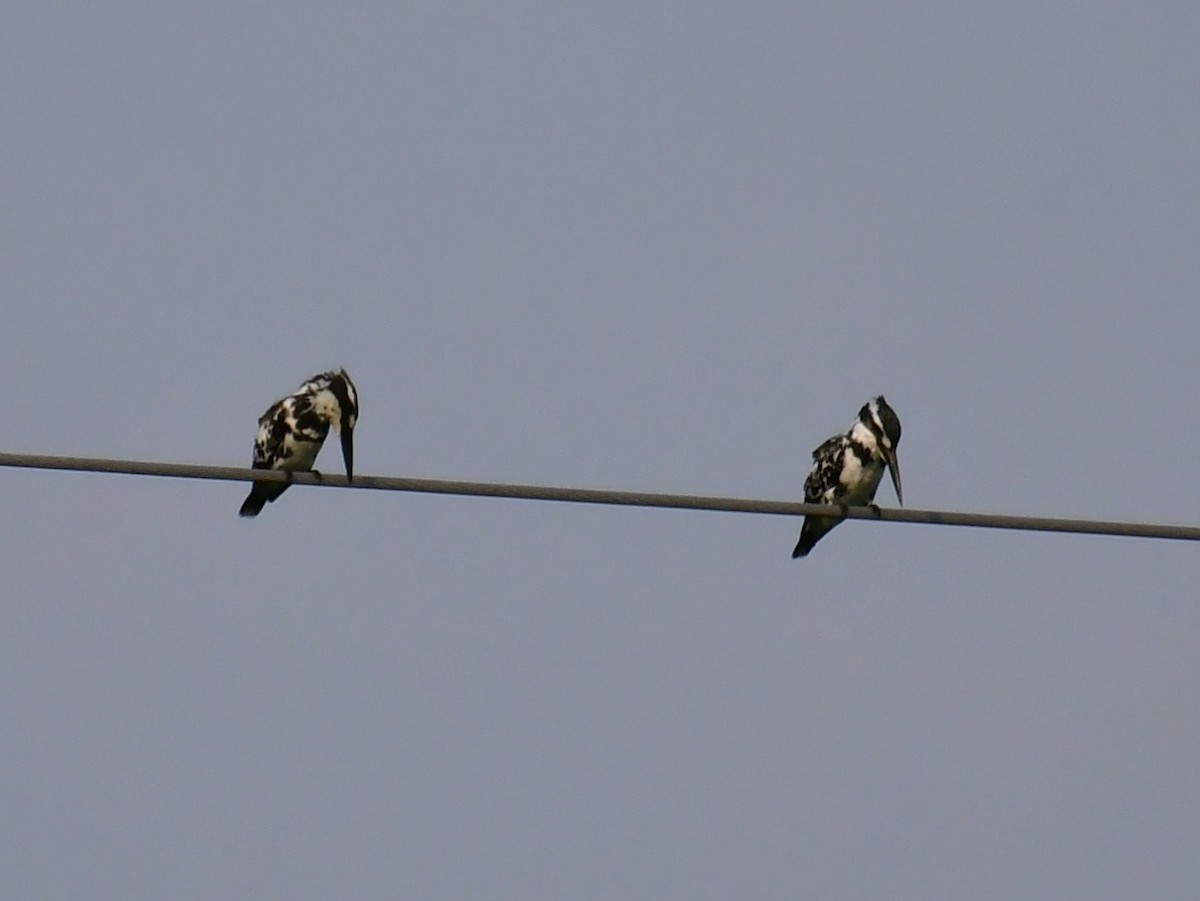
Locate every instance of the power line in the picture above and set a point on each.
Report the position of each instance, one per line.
(600, 496)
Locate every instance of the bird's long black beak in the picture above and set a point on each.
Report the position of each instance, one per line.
(894, 468)
(348, 452)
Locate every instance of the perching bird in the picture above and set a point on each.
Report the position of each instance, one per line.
(847, 469)
(292, 431)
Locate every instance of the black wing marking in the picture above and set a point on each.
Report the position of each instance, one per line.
(826, 470)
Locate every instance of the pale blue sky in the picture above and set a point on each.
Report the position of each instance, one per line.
(665, 247)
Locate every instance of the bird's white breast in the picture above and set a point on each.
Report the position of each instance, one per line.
(300, 455)
(859, 480)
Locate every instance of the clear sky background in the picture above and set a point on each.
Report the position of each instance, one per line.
(663, 247)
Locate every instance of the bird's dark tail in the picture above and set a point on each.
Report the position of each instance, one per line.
(814, 529)
(260, 495)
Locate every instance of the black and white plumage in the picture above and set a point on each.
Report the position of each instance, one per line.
(847, 469)
(291, 432)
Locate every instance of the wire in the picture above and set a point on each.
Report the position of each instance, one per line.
(600, 496)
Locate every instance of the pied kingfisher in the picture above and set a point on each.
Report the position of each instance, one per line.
(292, 431)
(847, 469)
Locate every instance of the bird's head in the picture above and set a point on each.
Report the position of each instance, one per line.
(883, 422)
